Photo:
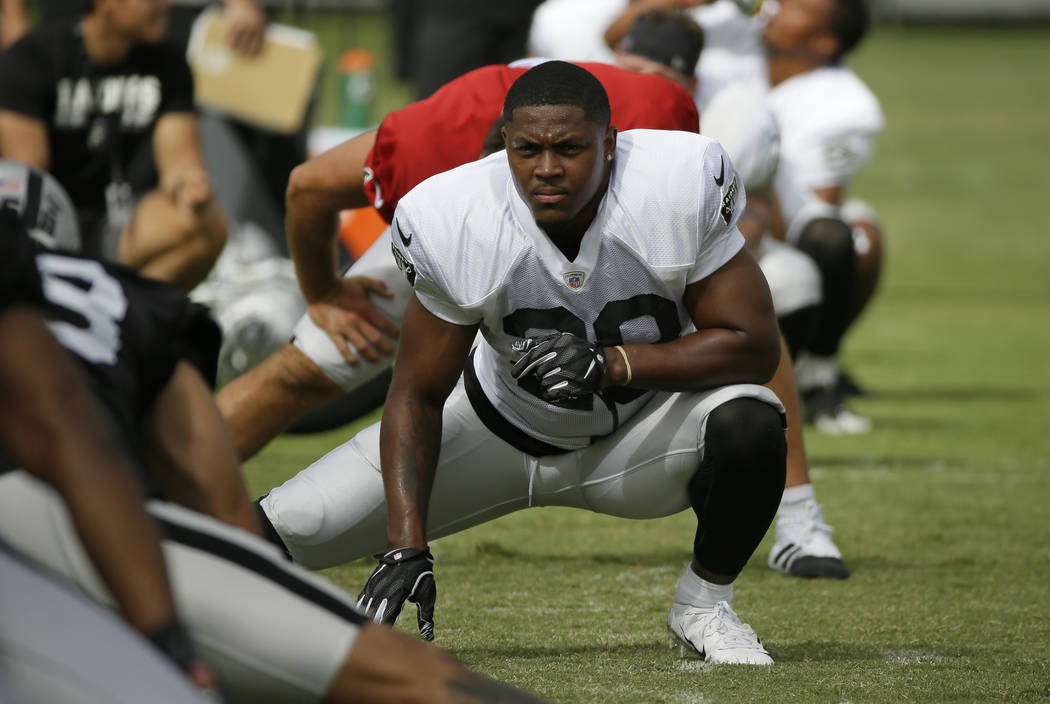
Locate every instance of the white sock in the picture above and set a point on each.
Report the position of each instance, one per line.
(696, 591)
(813, 372)
(796, 496)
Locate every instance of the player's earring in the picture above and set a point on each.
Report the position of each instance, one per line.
(608, 157)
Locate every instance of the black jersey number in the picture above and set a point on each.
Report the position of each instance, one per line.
(85, 288)
(636, 315)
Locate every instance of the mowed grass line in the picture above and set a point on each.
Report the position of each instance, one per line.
(940, 511)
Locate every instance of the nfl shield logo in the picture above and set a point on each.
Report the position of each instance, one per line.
(574, 279)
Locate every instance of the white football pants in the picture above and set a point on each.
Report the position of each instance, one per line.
(334, 511)
(272, 631)
(56, 647)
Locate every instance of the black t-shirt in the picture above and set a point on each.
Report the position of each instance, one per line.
(96, 115)
(127, 332)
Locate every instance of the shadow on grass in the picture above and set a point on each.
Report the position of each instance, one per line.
(886, 462)
(825, 651)
(866, 565)
(809, 651)
(955, 393)
(547, 652)
(656, 558)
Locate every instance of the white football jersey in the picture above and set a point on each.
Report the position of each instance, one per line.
(573, 30)
(474, 254)
(828, 123)
(733, 49)
(740, 119)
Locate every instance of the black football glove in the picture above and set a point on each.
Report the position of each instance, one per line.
(404, 573)
(174, 641)
(565, 365)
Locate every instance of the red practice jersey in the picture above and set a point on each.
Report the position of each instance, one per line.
(447, 129)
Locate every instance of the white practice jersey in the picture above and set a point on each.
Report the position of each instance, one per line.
(574, 30)
(828, 123)
(734, 53)
(740, 119)
(469, 245)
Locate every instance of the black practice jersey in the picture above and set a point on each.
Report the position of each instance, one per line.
(19, 279)
(128, 332)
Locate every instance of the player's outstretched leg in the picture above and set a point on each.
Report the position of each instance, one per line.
(735, 494)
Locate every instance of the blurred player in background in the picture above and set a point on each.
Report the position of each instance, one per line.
(828, 120)
(733, 52)
(83, 98)
(272, 631)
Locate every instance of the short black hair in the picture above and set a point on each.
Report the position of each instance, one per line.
(670, 37)
(849, 24)
(559, 83)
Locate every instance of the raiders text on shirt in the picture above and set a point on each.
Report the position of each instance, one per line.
(135, 97)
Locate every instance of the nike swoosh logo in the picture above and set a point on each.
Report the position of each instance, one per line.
(719, 179)
(405, 240)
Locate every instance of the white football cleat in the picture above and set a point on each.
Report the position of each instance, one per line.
(826, 410)
(802, 544)
(841, 421)
(823, 403)
(716, 634)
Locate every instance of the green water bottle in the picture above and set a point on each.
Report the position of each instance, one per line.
(357, 88)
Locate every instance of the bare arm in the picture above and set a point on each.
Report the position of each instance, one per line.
(14, 22)
(736, 339)
(24, 139)
(317, 191)
(428, 364)
(757, 218)
(620, 26)
(58, 436)
(376, 673)
(830, 194)
(247, 25)
(191, 453)
(180, 163)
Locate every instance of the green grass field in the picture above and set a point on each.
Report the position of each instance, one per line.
(941, 511)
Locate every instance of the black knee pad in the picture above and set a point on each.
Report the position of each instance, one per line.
(736, 491)
(744, 443)
(743, 427)
(269, 533)
(829, 241)
(799, 328)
